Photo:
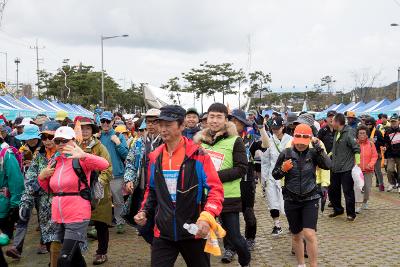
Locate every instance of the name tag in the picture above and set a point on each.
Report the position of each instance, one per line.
(171, 179)
(216, 158)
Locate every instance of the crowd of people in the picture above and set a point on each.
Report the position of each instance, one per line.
(182, 179)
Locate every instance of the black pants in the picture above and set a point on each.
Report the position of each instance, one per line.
(70, 255)
(103, 237)
(345, 180)
(7, 224)
(248, 194)
(230, 222)
(3, 262)
(164, 252)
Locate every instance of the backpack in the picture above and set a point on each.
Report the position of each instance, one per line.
(17, 154)
(93, 193)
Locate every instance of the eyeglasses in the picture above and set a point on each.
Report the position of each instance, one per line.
(44, 137)
(61, 140)
(305, 136)
(151, 121)
(105, 121)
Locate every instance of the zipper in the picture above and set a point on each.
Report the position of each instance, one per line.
(59, 189)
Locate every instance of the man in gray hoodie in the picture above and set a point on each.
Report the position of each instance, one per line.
(345, 154)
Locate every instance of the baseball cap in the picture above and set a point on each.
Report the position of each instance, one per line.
(31, 131)
(106, 115)
(172, 113)
(277, 122)
(65, 132)
(121, 129)
(153, 112)
(350, 114)
(394, 117)
(331, 113)
(204, 116)
(192, 111)
(61, 115)
(291, 118)
(49, 127)
(302, 134)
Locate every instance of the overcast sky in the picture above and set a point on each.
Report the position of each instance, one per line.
(298, 41)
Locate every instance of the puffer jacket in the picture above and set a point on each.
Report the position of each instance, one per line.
(70, 209)
(368, 156)
(345, 147)
(301, 181)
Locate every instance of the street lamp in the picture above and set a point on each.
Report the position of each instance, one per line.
(398, 70)
(5, 53)
(102, 38)
(17, 61)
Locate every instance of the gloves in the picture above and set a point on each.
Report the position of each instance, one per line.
(316, 145)
(287, 165)
(24, 214)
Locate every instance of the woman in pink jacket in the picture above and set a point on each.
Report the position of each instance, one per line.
(69, 210)
(368, 158)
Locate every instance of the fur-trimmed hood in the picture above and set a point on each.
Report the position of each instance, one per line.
(208, 137)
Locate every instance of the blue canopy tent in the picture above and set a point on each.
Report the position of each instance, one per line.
(365, 106)
(388, 109)
(367, 109)
(346, 108)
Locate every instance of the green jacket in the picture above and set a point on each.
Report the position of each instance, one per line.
(345, 147)
(103, 212)
(11, 178)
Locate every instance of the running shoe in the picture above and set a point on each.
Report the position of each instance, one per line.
(251, 243)
(276, 231)
(228, 256)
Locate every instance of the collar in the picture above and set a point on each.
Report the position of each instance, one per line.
(180, 145)
(50, 152)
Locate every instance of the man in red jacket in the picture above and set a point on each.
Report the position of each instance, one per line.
(179, 172)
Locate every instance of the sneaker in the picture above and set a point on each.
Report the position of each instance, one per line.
(335, 214)
(396, 186)
(276, 231)
(389, 188)
(13, 253)
(358, 210)
(120, 229)
(99, 259)
(381, 188)
(365, 206)
(42, 249)
(251, 243)
(92, 233)
(228, 256)
(350, 218)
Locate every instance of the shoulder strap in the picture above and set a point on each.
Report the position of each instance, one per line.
(277, 148)
(76, 165)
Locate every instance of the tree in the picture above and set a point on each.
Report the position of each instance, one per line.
(327, 82)
(258, 83)
(364, 81)
(223, 76)
(174, 89)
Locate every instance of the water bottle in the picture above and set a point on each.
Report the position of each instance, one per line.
(4, 240)
(191, 228)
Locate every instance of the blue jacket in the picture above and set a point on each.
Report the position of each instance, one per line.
(117, 153)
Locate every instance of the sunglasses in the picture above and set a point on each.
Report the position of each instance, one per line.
(44, 137)
(305, 136)
(59, 141)
(105, 121)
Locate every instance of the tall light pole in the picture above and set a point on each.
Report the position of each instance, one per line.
(17, 61)
(398, 70)
(102, 38)
(5, 53)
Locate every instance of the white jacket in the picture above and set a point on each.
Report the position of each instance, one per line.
(268, 160)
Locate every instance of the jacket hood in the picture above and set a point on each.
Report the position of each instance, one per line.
(208, 137)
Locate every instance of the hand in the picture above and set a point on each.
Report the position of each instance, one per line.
(75, 151)
(129, 187)
(27, 163)
(287, 165)
(140, 218)
(24, 214)
(370, 166)
(316, 144)
(324, 190)
(46, 173)
(115, 139)
(204, 229)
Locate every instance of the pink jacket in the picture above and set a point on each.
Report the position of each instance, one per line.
(368, 156)
(70, 209)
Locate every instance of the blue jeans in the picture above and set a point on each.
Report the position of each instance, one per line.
(230, 222)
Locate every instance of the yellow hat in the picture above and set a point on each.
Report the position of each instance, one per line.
(121, 129)
(61, 115)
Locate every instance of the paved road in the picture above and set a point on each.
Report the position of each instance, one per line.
(372, 240)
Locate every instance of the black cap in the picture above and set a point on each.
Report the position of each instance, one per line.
(394, 117)
(331, 113)
(172, 113)
(240, 115)
(277, 122)
(192, 111)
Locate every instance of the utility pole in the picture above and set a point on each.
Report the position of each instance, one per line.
(36, 47)
(17, 61)
(398, 84)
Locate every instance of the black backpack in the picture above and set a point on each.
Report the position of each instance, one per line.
(87, 193)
